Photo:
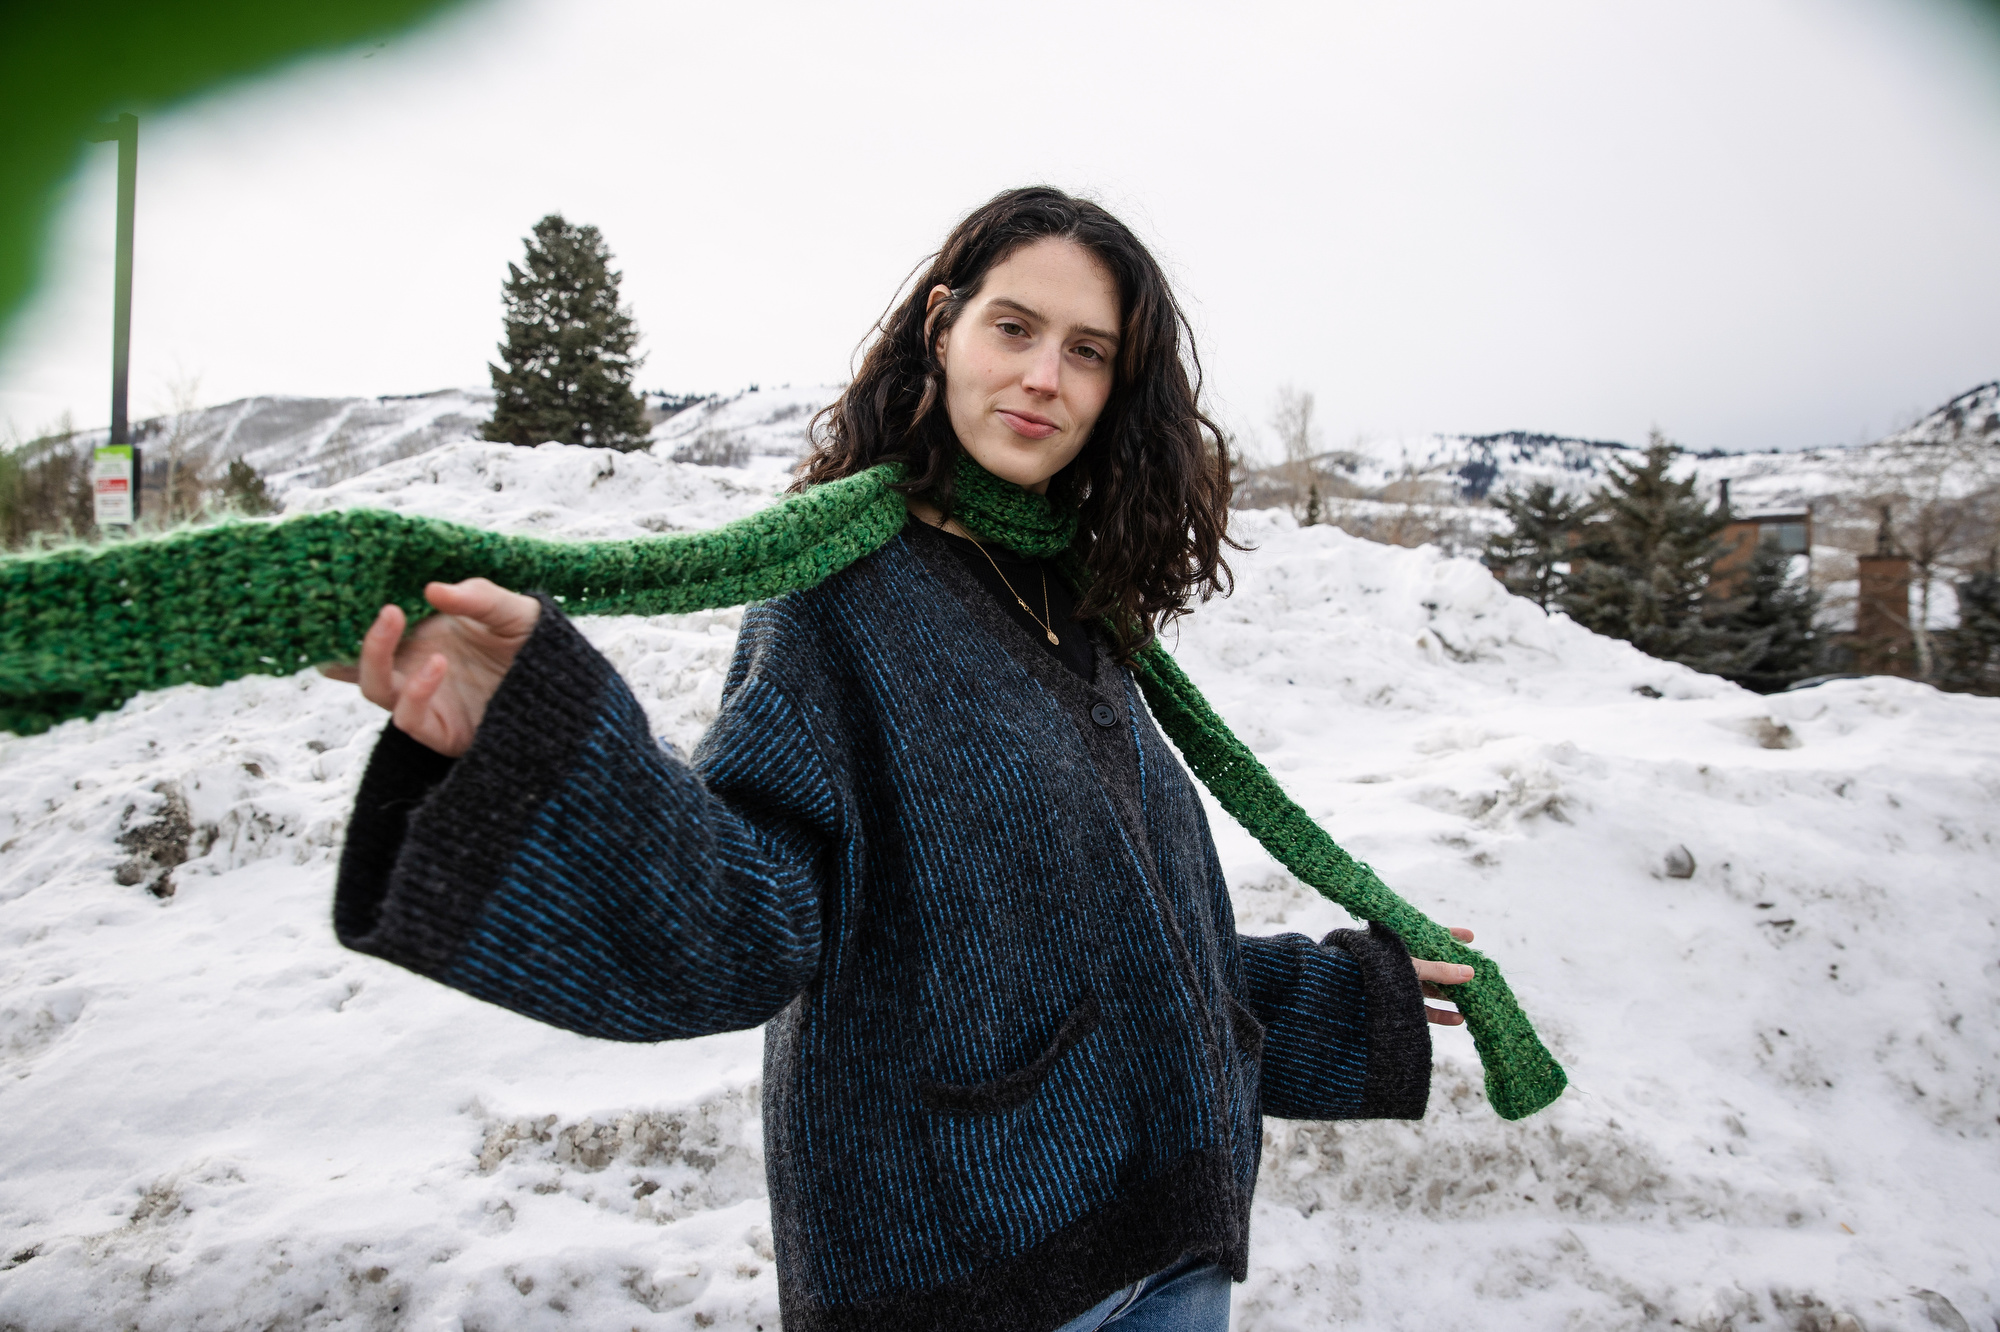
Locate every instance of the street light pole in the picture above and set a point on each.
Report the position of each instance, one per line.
(125, 130)
(115, 471)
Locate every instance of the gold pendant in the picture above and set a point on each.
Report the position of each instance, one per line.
(1053, 639)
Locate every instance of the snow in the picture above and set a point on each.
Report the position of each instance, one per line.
(1786, 1078)
(306, 444)
(557, 490)
(1973, 414)
(768, 423)
(1469, 467)
(295, 441)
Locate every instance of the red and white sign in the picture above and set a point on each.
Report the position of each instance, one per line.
(114, 476)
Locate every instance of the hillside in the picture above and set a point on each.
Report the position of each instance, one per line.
(1407, 491)
(1468, 469)
(1437, 489)
(315, 442)
(1785, 1101)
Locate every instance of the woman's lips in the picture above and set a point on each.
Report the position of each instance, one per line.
(1034, 427)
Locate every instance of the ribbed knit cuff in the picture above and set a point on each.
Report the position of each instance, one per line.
(401, 774)
(416, 899)
(1399, 1035)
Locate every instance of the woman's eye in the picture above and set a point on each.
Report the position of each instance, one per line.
(1090, 353)
(1012, 329)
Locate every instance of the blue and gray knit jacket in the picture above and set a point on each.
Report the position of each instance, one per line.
(1017, 1052)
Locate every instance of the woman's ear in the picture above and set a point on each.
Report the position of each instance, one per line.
(939, 294)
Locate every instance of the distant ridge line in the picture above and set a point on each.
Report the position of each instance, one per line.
(1537, 438)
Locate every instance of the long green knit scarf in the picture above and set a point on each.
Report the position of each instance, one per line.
(82, 630)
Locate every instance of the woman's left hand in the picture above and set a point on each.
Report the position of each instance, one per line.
(1432, 975)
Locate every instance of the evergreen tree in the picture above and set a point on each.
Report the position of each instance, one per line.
(243, 489)
(1644, 561)
(1541, 526)
(567, 361)
(1768, 627)
(1313, 516)
(1972, 651)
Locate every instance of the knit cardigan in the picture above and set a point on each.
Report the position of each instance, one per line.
(1016, 1052)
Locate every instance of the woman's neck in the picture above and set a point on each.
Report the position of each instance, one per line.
(932, 516)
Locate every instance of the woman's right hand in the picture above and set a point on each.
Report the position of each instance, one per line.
(437, 682)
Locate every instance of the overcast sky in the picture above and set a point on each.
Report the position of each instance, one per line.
(1751, 223)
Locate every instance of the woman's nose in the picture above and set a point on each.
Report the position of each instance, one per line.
(1044, 372)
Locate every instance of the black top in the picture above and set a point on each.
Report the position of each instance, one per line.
(1019, 578)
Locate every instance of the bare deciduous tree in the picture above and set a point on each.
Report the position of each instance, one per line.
(188, 460)
(1943, 499)
(46, 493)
(1298, 439)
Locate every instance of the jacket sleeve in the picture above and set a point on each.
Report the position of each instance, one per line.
(572, 868)
(1345, 1036)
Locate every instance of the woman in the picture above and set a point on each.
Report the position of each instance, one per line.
(1017, 1053)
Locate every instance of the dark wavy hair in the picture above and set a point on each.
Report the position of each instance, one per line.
(1152, 483)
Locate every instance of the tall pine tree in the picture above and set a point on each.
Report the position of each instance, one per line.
(567, 361)
(1644, 562)
(1541, 526)
(1767, 628)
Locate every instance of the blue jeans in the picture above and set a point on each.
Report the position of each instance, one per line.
(1190, 1296)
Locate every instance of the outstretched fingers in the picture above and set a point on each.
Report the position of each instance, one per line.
(1435, 991)
(379, 684)
(1432, 976)
(1443, 1017)
(473, 598)
(482, 600)
(412, 713)
(1441, 973)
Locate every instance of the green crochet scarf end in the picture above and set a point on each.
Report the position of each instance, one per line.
(1521, 1075)
(1517, 1087)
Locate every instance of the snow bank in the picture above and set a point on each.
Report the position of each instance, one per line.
(1786, 1076)
(557, 490)
(1760, 932)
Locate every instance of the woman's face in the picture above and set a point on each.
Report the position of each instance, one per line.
(1028, 364)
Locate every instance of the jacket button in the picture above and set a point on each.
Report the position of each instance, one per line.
(1104, 715)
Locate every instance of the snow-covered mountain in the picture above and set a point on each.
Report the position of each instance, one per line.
(1411, 490)
(1469, 469)
(1955, 449)
(314, 442)
(1463, 469)
(755, 423)
(1972, 415)
(1759, 932)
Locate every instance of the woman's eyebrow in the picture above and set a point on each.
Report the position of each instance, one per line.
(1008, 303)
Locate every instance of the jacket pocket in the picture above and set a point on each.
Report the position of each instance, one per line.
(1016, 1088)
(1018, 1158)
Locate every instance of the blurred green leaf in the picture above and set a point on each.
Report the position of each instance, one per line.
(63, 67)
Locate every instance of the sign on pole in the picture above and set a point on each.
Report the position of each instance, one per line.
(115, 477)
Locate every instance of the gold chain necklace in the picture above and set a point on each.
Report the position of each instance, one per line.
(1046, 619)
